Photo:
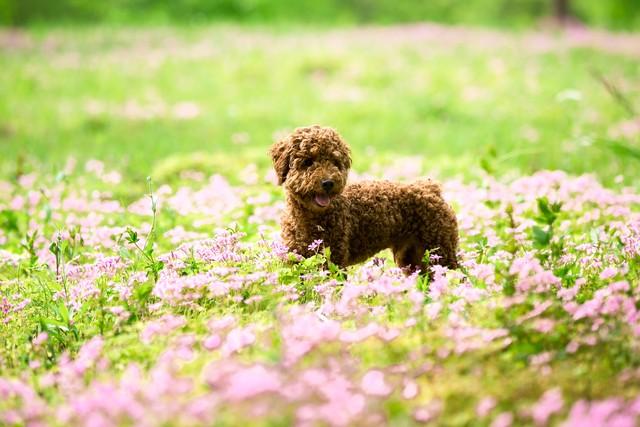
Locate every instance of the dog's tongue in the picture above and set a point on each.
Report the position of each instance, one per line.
(322, 200)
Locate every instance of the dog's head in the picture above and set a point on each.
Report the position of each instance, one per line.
(312, 163)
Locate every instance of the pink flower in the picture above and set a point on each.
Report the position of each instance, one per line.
(162, 326)
(17, 203)
(544, 326)
(599, 413)
(538, 309)
(250, 382)
(572, 347)
(485, 406)
(567, 294)
(216, 324)
(410, 390)
(40, 339)
(622, 286)
(305, 331)
(504, 419)
(186, 110)
(388, 334)
(237, 339)
(315, 245)
(429, 412)
(212, 342)
(360, 334)
(541, 358)
(439, 286)
(531, 275)
(433, 310)
(373, 383)
(608, 273)
(550, 403)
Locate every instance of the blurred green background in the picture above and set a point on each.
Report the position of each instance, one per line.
(156, 87)
(617, 14)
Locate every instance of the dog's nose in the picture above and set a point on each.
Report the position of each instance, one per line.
(327, 185)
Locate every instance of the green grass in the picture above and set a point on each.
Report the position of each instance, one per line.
(389, 92)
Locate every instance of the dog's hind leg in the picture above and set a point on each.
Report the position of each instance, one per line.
(409, 256)
(438, 231)
(443, 245)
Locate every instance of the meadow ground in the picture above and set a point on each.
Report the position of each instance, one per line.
(170, 301)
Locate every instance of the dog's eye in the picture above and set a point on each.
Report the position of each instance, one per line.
(307, 162)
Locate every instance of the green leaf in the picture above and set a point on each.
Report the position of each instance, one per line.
(132, 236)
(541, 238)
(54, 249)
(624, 150)
(543, 205)
(143, 291)
(63, 312)
(124, 252)
(9, 221)
(148, 251)
(509, 288)
(548, 215)
(485, 164)
(67, 250)
(47, 213)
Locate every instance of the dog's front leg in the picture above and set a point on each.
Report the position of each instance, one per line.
(337, 235)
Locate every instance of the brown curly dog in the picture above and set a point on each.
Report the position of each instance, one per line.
(358, 220)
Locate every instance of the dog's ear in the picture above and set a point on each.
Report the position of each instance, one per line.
(280, 152)
(345, 153)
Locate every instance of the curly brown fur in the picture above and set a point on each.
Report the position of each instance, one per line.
(357, 221)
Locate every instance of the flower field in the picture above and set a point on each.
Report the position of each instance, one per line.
(142, 314)
(171, 301)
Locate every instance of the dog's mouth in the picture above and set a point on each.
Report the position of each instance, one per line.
(322, 200)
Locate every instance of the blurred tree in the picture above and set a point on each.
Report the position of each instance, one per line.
(618, 14)
(561, 10)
